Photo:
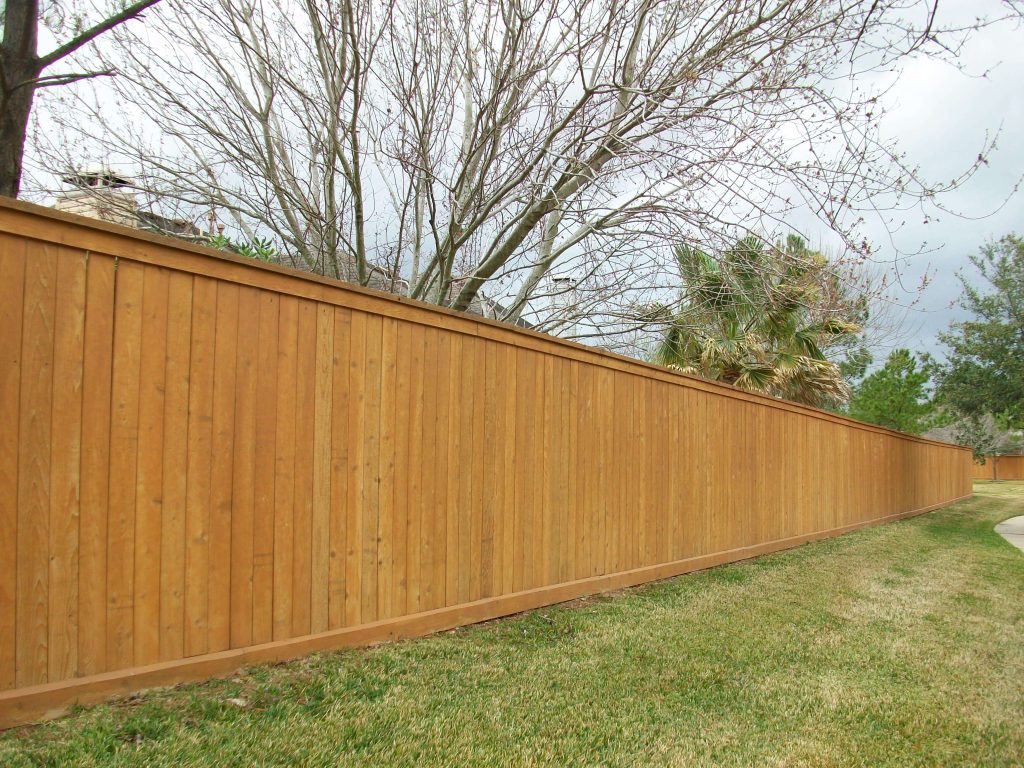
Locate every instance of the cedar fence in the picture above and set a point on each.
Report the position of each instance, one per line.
(207, 462)
(999, 468)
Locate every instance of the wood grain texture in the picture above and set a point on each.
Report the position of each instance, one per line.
(65, 466)
(218, 607)
(208, 461)
(175, 466)
(355, 371)
(338, 554)
(264, 461)
(12, 302)
(242, 512)
(95, 473)
(302, 518)
(999, 468)
(284, 466)
(320, 541)
(33, 703)
(149, 466)
(199, 467)
(34, 463)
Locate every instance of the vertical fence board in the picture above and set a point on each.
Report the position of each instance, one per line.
(496, 449)
(221, 486)
(356, 502)
(589, 479)
(284, 465)
(439, 527)
(199, 466)
(489, 471)
(425, 499)
(621, 507)
(12, 300)
(369, 532)
(385, 528)
(35, 464)
(386, 504)
(66, 436)
(339, 470)
(264, 469)
(602, 444)
(508, 468)
(576, 539)
(243, 463)
(321, 523)
(175, 466)
(563, 566)
(95, 491)
(400, 515)
(467, 405)
(548, 476)
(305, 424)
(124, 449)
(454, 479)
(415, 496)
(149, 467)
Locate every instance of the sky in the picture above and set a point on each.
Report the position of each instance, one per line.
(941, 118)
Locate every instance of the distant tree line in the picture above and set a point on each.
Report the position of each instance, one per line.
(784, 320)
(978, 389)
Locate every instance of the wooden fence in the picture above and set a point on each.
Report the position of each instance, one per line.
(206, 463)
(999, 468)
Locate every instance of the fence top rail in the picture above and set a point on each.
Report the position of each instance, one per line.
(40, 223)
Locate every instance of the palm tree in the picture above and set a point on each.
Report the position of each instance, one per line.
(761, 318)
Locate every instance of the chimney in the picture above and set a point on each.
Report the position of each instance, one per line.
(565, 299)
(565, 286)
(99, 193)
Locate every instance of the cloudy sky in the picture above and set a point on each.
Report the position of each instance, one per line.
(941, 115)
(941, 118)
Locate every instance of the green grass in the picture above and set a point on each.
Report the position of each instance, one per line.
(893, 646)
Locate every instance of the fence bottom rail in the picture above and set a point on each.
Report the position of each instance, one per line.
(40, 702)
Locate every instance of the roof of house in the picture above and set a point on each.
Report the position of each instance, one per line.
(1009, 440)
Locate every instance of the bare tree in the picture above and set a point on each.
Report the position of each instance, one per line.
(22, 70)
(546, 149)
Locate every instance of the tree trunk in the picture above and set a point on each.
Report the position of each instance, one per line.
(19, 67)
(15, 106)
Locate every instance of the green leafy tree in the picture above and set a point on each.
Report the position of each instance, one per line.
(762, 318)
(984, 369)
(895, 396)
(985, 438)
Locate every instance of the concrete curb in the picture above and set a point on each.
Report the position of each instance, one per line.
(1013, 531)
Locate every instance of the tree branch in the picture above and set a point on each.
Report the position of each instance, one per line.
(48, 81)
(93, 32)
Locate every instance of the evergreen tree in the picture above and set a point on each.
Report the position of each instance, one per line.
(984, 369)
(895, 396)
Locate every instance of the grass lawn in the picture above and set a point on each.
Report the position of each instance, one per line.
(901, 645)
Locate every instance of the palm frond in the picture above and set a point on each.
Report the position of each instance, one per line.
(752, 316)
(757, 379)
